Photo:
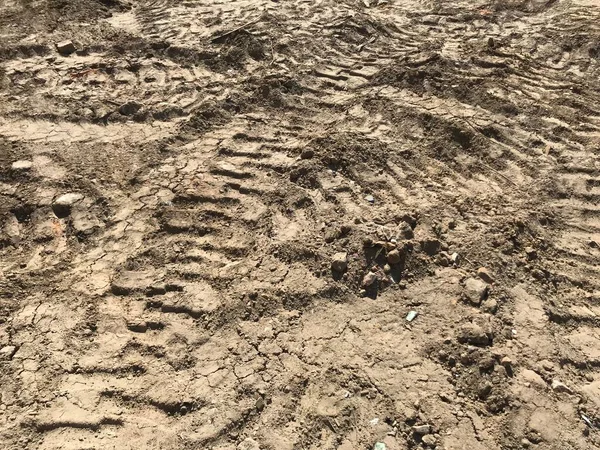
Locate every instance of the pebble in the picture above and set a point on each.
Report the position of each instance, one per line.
(406, 230)
(475, 291)
(22, 165)
(339, 262)
(490, 306)
(66, 47)
(248, 444)
(412, 315)
(485, 275)
(473, 334)
(130, 108)
(533, 378)
(422, 429)
(63, 204)
(394, 257)
(379, 446)
(369, 279)
(410, 414)
(7, 352)
(307, 153)
(370, 198)
(429, 440)
(560, 387)
(506, 362)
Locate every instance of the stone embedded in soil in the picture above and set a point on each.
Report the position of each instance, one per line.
(370, 198)
(66, 47)
(369, 279)
(490, 306)
(431, 246)
(394, 257)
(7, 352)
(557, 386)
(473, 334)
(137, 326)
(379, 446)
(339, 262)
(531, 377)
(475, 291)
(63, 204)
(429, 440)
(485, 275)
(307, 153)
(248, 444)
(22, 165)
(130, 108)
(405, 230)
(422, 429)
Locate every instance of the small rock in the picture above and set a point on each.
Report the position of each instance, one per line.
(412, 315)
(560, 387)
(525, 443)
(422, 429)
(129, 108)
(490, 306)
(506, 362)
(369, 279)
(431, 246)
(307, 153)
(485, 275)
(22, 165)
(394, 257)
(593, 244)
(370, 198)
(379, 446)
(63, 204)
(248, 444)
(473, 334)
(429, 440)
(339, 262)
(387, 268)
(137, 326)
(405, 230)
(533, 378)
(410, 414)
(66, 47)
(484, 389)
(455, 258)
(7, 352)
(475, 291)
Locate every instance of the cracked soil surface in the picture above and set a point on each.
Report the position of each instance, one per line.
(179, 180)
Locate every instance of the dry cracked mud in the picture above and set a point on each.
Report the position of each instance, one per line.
(178, 180)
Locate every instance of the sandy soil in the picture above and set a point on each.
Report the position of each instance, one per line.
(217, 218)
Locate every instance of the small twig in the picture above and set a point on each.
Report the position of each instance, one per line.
(501, 175)
(272, 53)
(241, 27)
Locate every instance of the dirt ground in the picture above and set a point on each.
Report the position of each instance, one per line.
(300, 224)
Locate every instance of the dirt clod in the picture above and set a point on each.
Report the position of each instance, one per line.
(473, 334)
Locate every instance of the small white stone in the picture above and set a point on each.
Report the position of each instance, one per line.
(22, 164)
(68, 199)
